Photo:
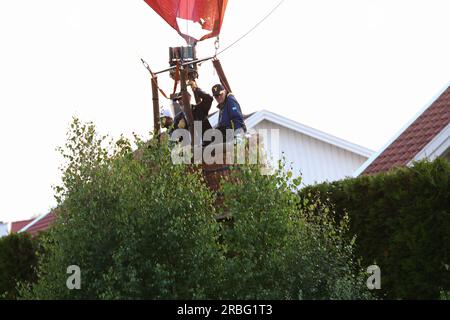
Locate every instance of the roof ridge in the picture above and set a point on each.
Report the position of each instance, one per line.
(434, 101)
(310, 131)
(34, 221)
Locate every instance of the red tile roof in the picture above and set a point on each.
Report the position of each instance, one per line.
(429, 124)
(42, 223)
(18, 225)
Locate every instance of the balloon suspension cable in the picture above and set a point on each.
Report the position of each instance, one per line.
(184, 64)
(154, 78)
(254, 27)
(146, 65)
(216, 46)
(217, 42)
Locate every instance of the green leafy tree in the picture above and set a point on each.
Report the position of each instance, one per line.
(137, 226)
(140, 227)
(18, 260)
(276, 251)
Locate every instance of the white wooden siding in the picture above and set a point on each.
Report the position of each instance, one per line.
(317, 160)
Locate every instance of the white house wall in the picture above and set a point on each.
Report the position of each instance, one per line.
(318, 161)
(3, 229)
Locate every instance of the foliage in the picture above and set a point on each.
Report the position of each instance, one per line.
(136, 226)
(18, 259)
(275, 251)
(402, 219)
(140, 227)
(445, 295)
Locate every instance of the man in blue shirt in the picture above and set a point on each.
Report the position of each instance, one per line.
(230, 114)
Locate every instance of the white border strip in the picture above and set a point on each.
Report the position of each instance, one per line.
(32, 223)
(399, 133)
(314, 133)
(436, 147)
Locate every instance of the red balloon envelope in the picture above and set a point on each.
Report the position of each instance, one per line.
(195, 20)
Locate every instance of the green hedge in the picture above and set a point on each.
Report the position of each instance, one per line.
(402, 223)
(18, 260)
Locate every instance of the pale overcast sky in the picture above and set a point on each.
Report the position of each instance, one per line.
(356, 69)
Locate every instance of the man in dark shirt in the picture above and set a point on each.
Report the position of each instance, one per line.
(200, 110)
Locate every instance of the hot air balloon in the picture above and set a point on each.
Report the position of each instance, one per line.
(194, 20)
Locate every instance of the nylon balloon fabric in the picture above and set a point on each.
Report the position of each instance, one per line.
(194, 20)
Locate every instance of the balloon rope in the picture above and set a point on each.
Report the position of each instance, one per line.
(256, 25)
(239, 39)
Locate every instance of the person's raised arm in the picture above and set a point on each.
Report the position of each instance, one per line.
(206, 99)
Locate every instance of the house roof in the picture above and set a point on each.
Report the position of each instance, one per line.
(253, 119)
(413, 139)
(262, 115)
(39, 224)
(16, 226)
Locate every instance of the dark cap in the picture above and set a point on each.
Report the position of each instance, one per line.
(217, 89)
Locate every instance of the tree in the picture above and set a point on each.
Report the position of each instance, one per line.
(276, 251)
(139, 227)
(18, 260)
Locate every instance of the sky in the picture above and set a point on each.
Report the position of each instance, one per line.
(356, 69)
